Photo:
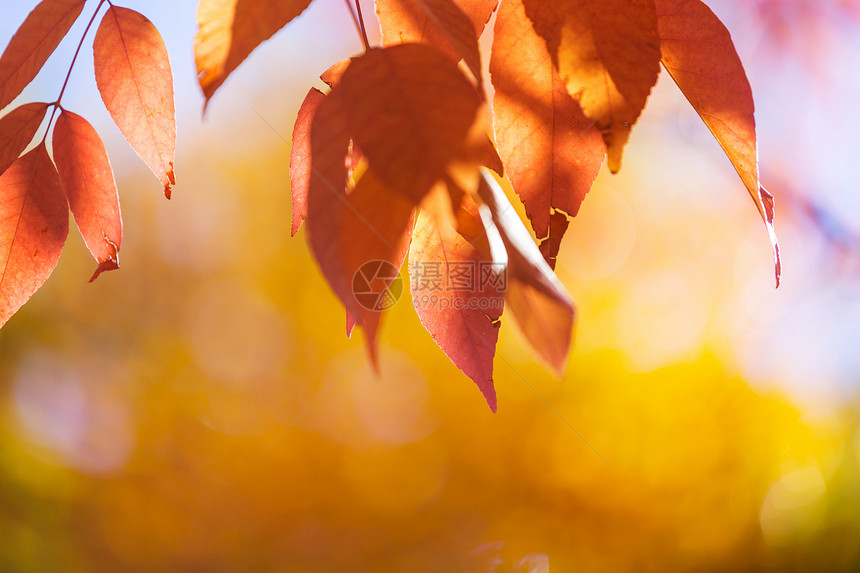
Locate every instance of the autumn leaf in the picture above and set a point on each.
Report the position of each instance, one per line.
(231, 29)
(134, 79)
(549, 247)
(539, 302)
(550, 149)
(33, 44)
(17, 129)
(608, 52)
(300, 157)
(462, 319)
(347, 230)
(451, 26)
(352, 235)
(410, 111)
(88, 181)
(698, 52)
(34, 223)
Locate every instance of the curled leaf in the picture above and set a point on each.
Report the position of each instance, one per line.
(88, 180)
(134, 79)
(541, 305)
(300, 157)
(34, 223)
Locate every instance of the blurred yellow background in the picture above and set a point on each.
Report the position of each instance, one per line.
(202, 410)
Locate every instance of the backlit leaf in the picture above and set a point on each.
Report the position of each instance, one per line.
(88, 180)
(463, 319)
(348, 230)
(34, 223)
(608, 52)
(136, 84)
(33, 44)
(699, 54)
(231, 29)
(539, 302)
(452, 26)
(410, 111)
(300, 157)
(550, 149)
(17, 129)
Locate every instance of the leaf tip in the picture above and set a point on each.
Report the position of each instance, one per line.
(767, 204)
(489, 392)
(104, 266)
(350, 322)
(171, 181)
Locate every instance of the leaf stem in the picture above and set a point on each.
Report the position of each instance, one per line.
(363, 30)
(57, 104)
(354, 18)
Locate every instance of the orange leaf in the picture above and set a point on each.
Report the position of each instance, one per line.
(33, 44)
(347, 231)
(136, 84)
(699, 54)
(558, 224)
(17, 129)
(231, 29)
(300, 157)
(410, 111)
(551, 151)
(87, 178)
(452, 26)
(608, 52)
(360, 241)
(34, 223)
(540, 303)
(461, 314)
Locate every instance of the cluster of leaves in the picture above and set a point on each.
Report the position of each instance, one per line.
(133, 75)
(397, 159)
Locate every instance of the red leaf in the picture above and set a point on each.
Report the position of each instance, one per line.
(87, 178)
(350, 322)
(410, 111)
(444, 24)
(231, 29)
(609, 54)
(347, 231)
(33, 44)
(462, 319)
(349, 234)
(34, 223)
(558, 224)
(540, 303)
(300, 157)
(17, 130)
(698, 52)
(136, 84)
(550, 149)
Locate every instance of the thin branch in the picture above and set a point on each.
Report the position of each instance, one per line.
(354, 18)
(57, 104)
(361, 22)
